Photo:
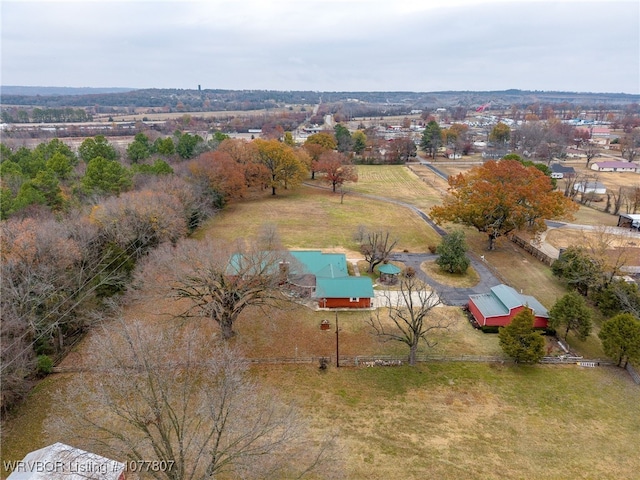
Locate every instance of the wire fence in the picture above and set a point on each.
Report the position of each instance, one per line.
(385, 361)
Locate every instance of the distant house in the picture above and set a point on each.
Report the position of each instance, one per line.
(63, 462)
(326, 279)
(560, 171)
(590, 187)
(614, 166)
(603, 132)
(498, 307)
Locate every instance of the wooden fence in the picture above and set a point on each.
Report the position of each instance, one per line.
(533, 250)
(634, 374)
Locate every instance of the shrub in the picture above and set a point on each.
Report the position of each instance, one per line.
(44, 365)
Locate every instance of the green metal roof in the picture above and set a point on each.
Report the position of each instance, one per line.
(389, 269)
(345, 287)
(326, 265)
(502, 299)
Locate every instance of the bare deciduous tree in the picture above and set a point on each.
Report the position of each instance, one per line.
(217, 280)
(166, 397)
(410, 313)
(375, 245)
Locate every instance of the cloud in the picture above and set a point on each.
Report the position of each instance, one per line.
(325, 45)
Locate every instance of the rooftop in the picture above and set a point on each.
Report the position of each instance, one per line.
(502, 299)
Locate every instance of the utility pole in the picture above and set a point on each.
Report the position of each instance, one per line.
(337, 343)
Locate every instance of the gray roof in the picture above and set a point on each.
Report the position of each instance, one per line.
(502, 299)
(557, 168)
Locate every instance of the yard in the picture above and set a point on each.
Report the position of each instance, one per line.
(445, 420)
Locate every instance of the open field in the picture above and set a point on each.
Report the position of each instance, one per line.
(223, 114)
(396, 182)
(315, 218)
(475, 421)
(443, 420)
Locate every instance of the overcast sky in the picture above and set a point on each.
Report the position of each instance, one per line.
(325, 45)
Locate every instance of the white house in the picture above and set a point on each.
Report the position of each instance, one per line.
(614, 166)
(590, 187)
(560, 171)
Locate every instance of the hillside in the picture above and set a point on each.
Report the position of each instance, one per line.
(214, 99)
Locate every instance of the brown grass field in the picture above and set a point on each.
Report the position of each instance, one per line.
(441, 420)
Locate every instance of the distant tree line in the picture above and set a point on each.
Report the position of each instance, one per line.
(45, 115)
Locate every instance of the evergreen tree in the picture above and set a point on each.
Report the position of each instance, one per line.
(572, 312)
(453, 253)
(520, 341)
(620, 338)
(431, 138)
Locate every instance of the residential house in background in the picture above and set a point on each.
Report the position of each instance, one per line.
(614, 166)
(590, 187)
(560, 171)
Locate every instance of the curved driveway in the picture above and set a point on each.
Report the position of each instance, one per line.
(449, 295)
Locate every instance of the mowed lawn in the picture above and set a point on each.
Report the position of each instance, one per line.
(310, 217)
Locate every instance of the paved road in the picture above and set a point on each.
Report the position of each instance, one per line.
(450, 295)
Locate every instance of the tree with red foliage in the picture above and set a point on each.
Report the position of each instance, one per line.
(498, 198)
(336, 169)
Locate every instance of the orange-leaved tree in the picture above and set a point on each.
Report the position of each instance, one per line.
(336, 169)
(500, 197)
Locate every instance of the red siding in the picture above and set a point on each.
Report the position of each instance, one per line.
(503, 320)
(344, 303)
(476, 313)
(500, 321)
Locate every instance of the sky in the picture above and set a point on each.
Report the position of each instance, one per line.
(324, 45)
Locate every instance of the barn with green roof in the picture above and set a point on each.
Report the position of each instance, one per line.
(498, 307)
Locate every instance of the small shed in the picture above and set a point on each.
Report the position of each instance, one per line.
(629, 220)
(389, 273)
(590, 187)
(64, 462)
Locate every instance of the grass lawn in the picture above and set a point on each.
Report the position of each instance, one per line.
(315, 218)
(465, 280)
(397, 182)
(516, 267)
(477, 421)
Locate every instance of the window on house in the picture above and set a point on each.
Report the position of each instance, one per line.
(354, 299)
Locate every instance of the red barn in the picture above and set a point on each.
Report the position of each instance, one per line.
(501, 304)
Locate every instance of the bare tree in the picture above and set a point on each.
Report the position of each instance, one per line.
(163, 396)
(610, 250)
(376, 246)
(217, 280)
(590, 150)
(410, 313)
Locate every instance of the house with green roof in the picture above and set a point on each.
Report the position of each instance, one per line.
(498, 307)
(326, 278)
